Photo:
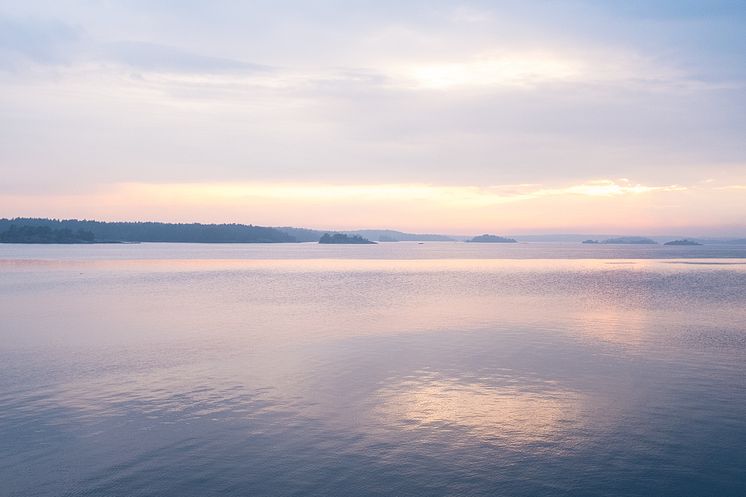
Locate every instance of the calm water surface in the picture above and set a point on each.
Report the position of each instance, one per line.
(401, 369)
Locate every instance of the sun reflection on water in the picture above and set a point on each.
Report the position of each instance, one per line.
(505, 414)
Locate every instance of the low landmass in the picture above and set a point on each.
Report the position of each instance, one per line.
(399, 236)
(45, 234)
(79, 231)
(491, 239)
(386, 238)
(630, 240)
(684, 242)
(155, 232)
(311, 235)
(341, 238)
(303, 234)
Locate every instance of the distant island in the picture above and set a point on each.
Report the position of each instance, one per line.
(44, 234)
(683, 242)
(491, 239)
(591, 241)
(630, 240)
(341, 238)
(312, 235)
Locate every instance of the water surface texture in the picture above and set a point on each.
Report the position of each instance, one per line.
(400, 369)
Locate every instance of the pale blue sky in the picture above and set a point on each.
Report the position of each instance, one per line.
(533, 96)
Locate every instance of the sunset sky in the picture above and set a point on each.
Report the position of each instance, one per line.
(453, 117)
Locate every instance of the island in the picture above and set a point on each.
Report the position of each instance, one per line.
(491, 239)
(591, 241)
(630, 240)
(45, 234)
(341, 238)
(683, 242)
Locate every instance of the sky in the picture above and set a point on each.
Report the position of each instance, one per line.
(452, 117)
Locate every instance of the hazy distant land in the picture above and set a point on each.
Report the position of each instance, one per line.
(42, 230)
(342, 239)
(630, 240)
(683, 242)
(491, 239)
(312, 235)
(194, 232)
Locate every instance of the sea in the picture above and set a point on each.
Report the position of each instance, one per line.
(396, 369)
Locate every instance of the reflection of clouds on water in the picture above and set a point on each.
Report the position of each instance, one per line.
(505, 414)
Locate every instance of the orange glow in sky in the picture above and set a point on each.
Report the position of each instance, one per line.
(605, 205)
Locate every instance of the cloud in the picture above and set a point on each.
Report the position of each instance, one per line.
(162, 58)
(732, 187)
(609, 188)
(37, 41)
(346, 193)
(55, 43)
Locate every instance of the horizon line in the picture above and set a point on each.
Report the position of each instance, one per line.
(400, 230)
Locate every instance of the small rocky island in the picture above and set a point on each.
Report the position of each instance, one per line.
(683, 242)
(341, 238)
(491, 239)
(630, 240)
(591, 241)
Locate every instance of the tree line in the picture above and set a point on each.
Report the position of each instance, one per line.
(44, 234)
(143, 231)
